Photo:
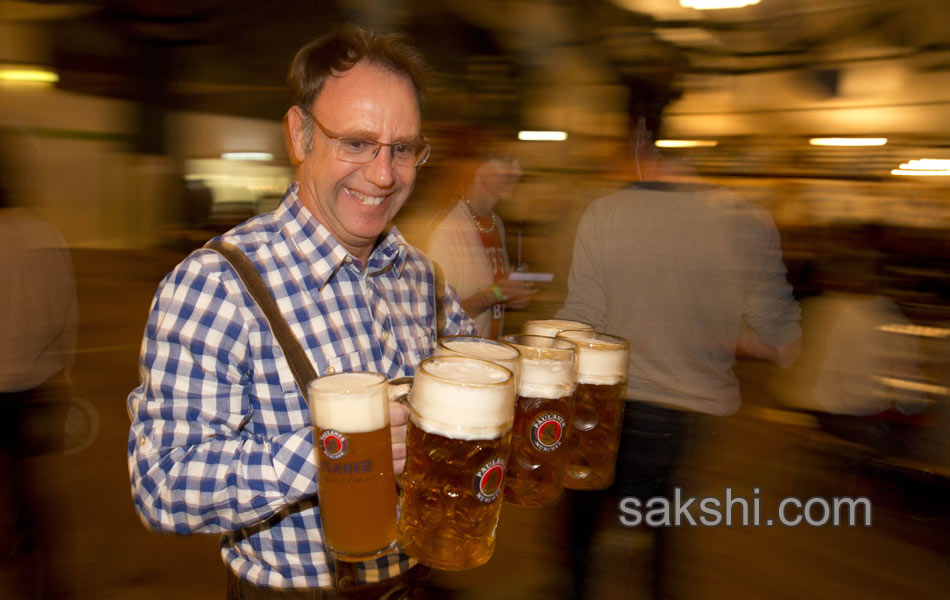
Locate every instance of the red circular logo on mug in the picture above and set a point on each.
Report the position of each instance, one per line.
(547, 432)
(488, 480)
(333, 444)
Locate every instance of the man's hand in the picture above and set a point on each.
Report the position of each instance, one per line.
(398, 417)
(749, 344)
(517, 293)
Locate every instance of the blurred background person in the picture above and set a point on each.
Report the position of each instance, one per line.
(469, 241)
(860, 370)
(38, 330)
(688, 273)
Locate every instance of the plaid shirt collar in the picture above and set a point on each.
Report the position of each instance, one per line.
(314, 244)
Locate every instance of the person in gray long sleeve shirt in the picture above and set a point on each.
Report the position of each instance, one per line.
(683, 271)
(692, 276)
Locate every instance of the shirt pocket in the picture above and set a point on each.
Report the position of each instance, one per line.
(345, 363)
(419, 345)
(297, 407)
(351, 362)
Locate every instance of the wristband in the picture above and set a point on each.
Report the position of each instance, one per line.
(497, 291)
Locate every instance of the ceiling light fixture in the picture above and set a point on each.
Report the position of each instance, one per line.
(925, 167)
(28, 74)
(920, 172)
(685, 143)
(838, 141)
(927, 163)
(260, 156)
(542, 136)
(716, 4)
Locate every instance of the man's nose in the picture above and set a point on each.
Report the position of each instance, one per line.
(380, 169)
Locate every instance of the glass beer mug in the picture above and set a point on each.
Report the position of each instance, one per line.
(551, 327)
(543, 412)
(357, 489)
(456, 449)
(472, 346)
(603, 362)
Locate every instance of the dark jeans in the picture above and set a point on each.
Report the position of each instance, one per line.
(886, 437)
(653, 440)
(32, 423)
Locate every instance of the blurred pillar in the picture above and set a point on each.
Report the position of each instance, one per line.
(151, 90)
(152, 182)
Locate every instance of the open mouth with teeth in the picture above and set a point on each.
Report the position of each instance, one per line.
(367, 200)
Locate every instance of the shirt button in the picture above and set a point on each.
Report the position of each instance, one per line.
(330, 370)
(142, 441)
(384, 336)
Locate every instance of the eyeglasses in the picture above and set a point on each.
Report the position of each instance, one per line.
(360, 150)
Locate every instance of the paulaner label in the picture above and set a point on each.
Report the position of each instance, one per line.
(351, 468)
(547, 432)
(488, 480)
(333, 444)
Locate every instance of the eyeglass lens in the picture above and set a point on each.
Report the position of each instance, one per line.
(358, 150)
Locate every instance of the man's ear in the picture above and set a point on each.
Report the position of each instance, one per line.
(294, 133)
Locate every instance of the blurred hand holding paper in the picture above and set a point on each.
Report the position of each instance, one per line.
(519, 276)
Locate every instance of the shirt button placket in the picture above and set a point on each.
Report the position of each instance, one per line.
(380, 312)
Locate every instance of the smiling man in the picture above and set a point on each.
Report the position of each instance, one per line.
(221, 438)
(351, 180)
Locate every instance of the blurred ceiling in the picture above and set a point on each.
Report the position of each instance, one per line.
(231, 56)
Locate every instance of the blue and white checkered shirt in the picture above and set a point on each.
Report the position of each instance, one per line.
(221, 438)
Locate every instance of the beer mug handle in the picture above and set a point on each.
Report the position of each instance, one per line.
(399, 388)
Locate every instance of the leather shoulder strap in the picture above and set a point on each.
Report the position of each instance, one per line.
(300, 365)
(439, 300)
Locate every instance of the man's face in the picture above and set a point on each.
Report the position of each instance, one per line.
(356, 202)
(500, 176)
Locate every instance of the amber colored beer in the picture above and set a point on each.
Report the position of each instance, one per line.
(594, 437)
(357, 489)
(450, 509)
(543, 413)
(457, 446)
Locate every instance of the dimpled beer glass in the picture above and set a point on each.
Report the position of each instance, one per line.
(357, 490)
(494, 351)
(456, 449)
(594, 438)
(543, 412)
(551, 327)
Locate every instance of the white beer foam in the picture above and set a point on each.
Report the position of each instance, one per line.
(349, 402)
(546, 378)
(551, 327)
(601, 362)
(490, 350)
(478, 405)
(487, 349)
